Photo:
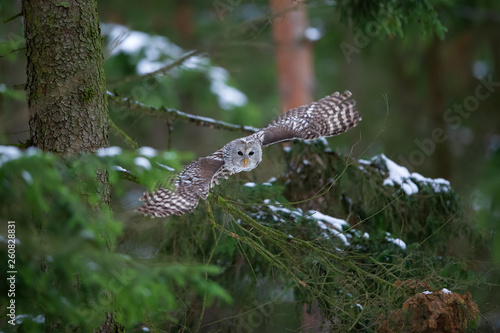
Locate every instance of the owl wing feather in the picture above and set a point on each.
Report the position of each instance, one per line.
(193, 183)
(331, 115)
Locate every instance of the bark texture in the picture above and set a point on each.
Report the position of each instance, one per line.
(65, 76)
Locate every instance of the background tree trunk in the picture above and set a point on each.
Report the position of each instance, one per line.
(293, 54)
(441, 155)
(66, 84)
(295, 81)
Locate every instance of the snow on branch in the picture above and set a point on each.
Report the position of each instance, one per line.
(408, 181)
(172, 114)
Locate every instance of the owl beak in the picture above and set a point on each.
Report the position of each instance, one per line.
(245, 161)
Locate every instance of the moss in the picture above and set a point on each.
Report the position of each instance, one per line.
(88, 95)
(64, 4)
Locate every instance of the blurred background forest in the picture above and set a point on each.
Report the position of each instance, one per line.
(426, 84)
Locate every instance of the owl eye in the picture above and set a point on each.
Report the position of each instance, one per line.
(240, 153)
(251, 153)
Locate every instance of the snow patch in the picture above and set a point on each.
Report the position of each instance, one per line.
(335, 222)
(142, 162)
(400, 175)
(229, 97)
(157, 48)
(165, 166)
(313, 34)
(6, 241)
(249, 184)
(396, 241)
(427, 292)
(9, 153)
(147, 151)
(296, 212)
(40, 319)
(332, 224)
(27, 177)
(119, 168)
(93, 266)
(446, 291)
(109, 151)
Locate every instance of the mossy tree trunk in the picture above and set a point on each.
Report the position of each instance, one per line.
(65, 78)
(66, 85)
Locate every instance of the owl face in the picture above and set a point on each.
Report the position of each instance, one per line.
(242, 155)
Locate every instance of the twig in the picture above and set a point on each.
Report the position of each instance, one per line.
(172, 114)
(13, 17)
(121, 134)
(19, 49)
(162, 70)
(18, 145)
(270, 235)
(127, 175)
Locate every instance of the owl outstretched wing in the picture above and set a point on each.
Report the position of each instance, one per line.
(331, 115)
(193, 183)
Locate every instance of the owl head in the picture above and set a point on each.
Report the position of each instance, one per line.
(242, 155)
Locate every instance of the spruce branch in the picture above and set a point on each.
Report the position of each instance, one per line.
(172, 114)
(278, 238)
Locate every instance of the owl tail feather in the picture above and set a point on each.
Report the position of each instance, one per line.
(163, 203)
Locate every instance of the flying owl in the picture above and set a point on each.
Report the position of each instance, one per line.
(331, 115)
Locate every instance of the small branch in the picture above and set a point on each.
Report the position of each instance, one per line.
(18, 145)
(162, 70)
(6, 54)
(121, 134)
(273, 236)
(172, 114)
(127, 175)
(13, 17)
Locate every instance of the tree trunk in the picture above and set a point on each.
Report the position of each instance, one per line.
(66, 84)
(442, 155)
(293, 53)
(294, 60)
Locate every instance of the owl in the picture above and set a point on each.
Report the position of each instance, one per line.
(331, 115)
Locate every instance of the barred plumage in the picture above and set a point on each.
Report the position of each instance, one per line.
(331, 115)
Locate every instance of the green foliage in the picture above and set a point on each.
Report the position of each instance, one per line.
(271, 254)
(79, 261)
(392, 16)
(344, 188)
(68, 268)
(11, 93)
